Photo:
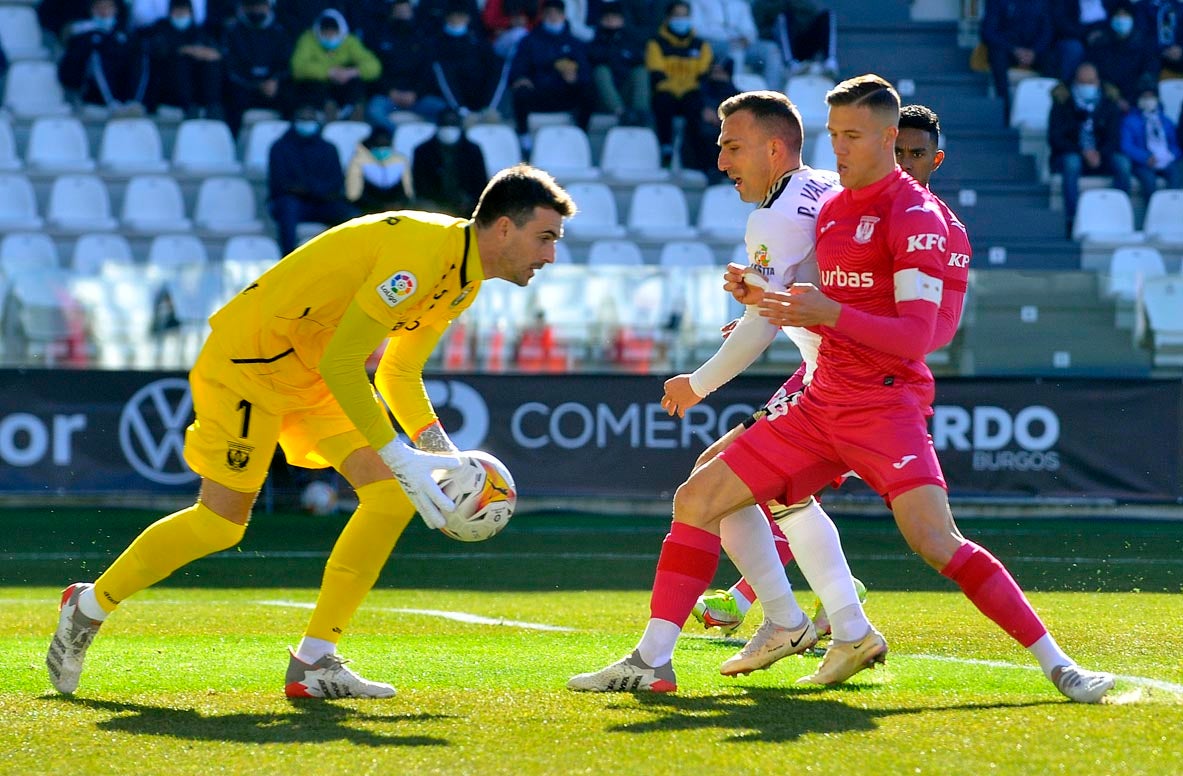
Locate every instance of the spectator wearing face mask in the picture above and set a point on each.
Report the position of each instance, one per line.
(333, 68)
(406, 83)
(617, 57)
(304, 179)
(185, 64)
(104, 63)
(678, 61)
(448, 169)
(1084, 134)
(257, 62)
(465, 69)
(1148, 139)
(145, 13)
(378, 178)
(1124, 56)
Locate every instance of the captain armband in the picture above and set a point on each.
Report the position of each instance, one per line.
(912, 285)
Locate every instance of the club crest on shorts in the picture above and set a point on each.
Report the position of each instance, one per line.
(397, 288)
(866, 228)
(238, 456)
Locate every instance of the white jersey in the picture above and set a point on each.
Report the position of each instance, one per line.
(779, 239)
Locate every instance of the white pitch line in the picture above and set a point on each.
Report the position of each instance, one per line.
(1156, 684)
(465, 617)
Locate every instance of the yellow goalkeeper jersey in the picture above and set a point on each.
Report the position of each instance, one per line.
(411, 272)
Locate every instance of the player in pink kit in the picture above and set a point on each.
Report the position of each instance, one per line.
(918, 154)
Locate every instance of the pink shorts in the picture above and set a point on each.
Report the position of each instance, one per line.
(795, 454)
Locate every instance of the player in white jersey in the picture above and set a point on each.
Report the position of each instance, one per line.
(760, 150)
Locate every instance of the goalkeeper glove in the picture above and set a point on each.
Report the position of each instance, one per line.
(412, 468)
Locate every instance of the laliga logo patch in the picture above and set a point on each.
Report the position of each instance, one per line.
(397, 288)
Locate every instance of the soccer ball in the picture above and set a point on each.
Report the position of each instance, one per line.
(319, 498)
(485, 497)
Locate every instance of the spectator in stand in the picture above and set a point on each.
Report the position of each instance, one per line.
(304, 179)
(729, 27)
(805, 32)
(1162, 21)
(716, 88)
(185, 64)
(1017, 34)
(617, 58)
(296, 15)
(466, 70)
(406, 83)
(332, 68)
(1078, 27)
(1123, 55)
(677, 61)
(378, 178)
(58, 16)
(146, 13)
(1148, 140)
(258, 55)
(550, 72)
(508, 21)
(436, 12)
(644, 16)
(448, 169)
(1084, 134)
(104, 63)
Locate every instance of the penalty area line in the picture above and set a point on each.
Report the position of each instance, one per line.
(1155, 684)
(465, 617)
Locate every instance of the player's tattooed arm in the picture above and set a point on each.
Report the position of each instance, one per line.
(433, 439)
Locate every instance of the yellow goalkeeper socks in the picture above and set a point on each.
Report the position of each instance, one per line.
(383, 512)
(164, 547)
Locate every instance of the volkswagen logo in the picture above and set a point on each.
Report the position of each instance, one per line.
(152, 431)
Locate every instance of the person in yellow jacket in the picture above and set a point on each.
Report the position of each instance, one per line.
(332, 68)
(285, 364)
(678, 61)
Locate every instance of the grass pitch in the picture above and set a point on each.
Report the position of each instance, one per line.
(480, 639)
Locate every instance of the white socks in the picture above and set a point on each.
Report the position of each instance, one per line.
(656, 646)
(818, 551)
(311, 650)
(1049, 654)
(88, 604)
(747, 538)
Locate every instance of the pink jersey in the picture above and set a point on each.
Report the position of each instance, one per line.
(881, 252)
(956, 279)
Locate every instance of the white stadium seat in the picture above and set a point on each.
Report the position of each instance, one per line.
(620, 253)
(10, 160)
(20, 33)
(153, 204)
(1105, 216)
(1032, 103)
(1130, 267)
(345, 135)
(59, 144)
(251, 247)
(632, 155)
(227, 205)
(658, 211)
(1162, 301)
(32, 89)
(205, 147)
(18, 203)
(93, 251)
(174, 250)
(1170, 94)
(808, 93)
(596, 217)
(565, 152)
(684, 253)
(722, 214)
(24, 252)
(259, 139)
(499, 145)
(821, 156)
(132, 146)
(80, 203)
(410, 134)
(749, 82)
(1164, 217)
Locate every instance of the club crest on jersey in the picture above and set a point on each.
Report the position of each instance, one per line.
(397, 288)
(865, 229)
(760, 257)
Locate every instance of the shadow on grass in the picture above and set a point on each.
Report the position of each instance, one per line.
(309, 722)
(766, 714)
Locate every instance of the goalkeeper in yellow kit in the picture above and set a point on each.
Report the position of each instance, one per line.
(285, 364)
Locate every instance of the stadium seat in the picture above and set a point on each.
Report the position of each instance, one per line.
(1164, 218)
(821, 155)
(749, 82)
(565, 152)
(132, 146)
(409, 134)
(93, 251)
(80, 203)
(120, 306)
(563, 253)
(1129, 268)
(24, 252)
(345, 135)
(499, 145)
(597, 217)
(722, 214)
(251, 247)
(32, 89)
(167, 251)
(59, 144)
(259, 139)
(620, 253)
(658, 211)
(1105, 216)
(20, 33)
(632, 155)
(226, 205)
(205, 147)
(808, 93)
(18, 203)
(1031, 104)
(685, 253)
(45, 307)
(1170, 94)
(10, 160)
(1162, 301)
(539, 119)
(153, 204)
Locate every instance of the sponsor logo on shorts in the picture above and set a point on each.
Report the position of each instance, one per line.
(865, 229)
(238, 455)
(901, 463)
(398, 287)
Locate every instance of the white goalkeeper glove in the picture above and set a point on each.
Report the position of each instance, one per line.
(412, 468)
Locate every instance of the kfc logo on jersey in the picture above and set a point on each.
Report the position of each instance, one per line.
(960, 260)
(839, 278)
(397, 288)
(866, 228)
(926, 242)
